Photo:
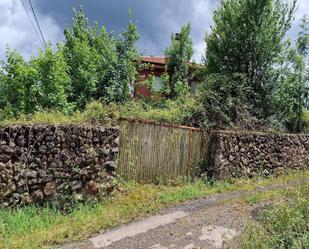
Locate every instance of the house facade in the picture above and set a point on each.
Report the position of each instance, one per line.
(155, 66)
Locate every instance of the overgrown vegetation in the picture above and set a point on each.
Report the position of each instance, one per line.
(283, 224)
(246, 39)
(95, 112)
(179, 55)
(252, 77)
(32, 227)
(243, 73)
(91, 64)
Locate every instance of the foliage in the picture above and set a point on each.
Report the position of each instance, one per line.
(52, 79)
(100, 65)
(90, 65)
(82, 58)
(34, 227)
(292, 95)
(246, 39)
(18, 89)
(179, 55)
(221, 102)
(306, 121)
(27, 87)
(284, 225)
(161, 110)
(124, 72)
(94, 112)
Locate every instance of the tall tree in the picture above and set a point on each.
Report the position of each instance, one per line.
(41, 83)
(293, 91)
(246, 38)
(81, 57)
(19, 89)
(123, 71)
(179, 54)
(52, 79)
(100, 66)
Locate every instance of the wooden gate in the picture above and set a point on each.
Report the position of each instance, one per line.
(150, 151)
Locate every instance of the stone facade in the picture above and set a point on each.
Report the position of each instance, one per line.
(234, 154)
(46, 163)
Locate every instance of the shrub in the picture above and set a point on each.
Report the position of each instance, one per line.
(95, 112)
(283, 226)
(162, 110)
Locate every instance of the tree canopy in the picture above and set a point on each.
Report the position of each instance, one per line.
(90, 64)
(179, 54)
(246, 38)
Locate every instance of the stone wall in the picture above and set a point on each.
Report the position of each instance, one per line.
(233, 154)
(53, 163)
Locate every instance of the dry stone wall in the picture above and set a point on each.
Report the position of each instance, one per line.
(51, 163)
(235, 154)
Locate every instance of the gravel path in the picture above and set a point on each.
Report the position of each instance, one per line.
(208, 223)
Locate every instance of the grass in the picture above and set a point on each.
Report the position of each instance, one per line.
(171, 111)
(94, 111)
(33, 227)
(283, 225)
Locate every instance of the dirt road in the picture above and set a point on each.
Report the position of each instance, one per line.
(208, 223)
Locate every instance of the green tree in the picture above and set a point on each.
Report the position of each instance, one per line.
(18, 86)
(246, 39)
(100, 66)
(27, 87)
(179, 54)
(81, 57)
(123, 73)
(293, 91)
(52, 79)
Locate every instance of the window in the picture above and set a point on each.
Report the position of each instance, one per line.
(157, 84)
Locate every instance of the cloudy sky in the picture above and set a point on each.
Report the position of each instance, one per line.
(156, 20)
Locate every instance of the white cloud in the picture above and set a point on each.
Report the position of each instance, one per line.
(201, 23)
(302, 9)
(17, 31)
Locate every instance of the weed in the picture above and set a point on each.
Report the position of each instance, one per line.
(284, 225)
(34, 227)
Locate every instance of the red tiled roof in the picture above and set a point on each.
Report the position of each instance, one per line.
(155, 60)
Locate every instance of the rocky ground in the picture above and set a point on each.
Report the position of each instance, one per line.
(213, 222)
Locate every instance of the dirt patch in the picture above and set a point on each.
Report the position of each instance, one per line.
(209, 223)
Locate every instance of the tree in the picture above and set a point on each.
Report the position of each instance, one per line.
(41, 83)
(52, 80)
(18, 86)
(293, 91)
(123, 73)
(100, 66)
(246, 39)
(179, 54)
(81, 57)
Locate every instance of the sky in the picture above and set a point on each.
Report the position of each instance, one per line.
(156, 21)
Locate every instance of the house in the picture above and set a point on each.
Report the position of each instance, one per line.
(155, 66)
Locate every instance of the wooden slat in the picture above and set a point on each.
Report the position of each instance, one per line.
(151, 152)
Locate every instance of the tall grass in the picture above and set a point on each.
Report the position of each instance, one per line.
(284, 225)
(33, 227)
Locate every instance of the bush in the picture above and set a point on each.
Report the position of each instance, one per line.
(284, 226)
(293, 120)
(162, 110)
(94, 113)
(223, 103)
